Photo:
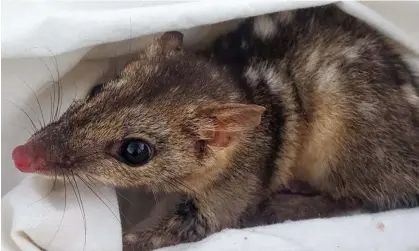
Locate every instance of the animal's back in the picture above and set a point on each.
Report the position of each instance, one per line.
(349, 103)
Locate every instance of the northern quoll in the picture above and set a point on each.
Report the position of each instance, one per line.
(311, 95)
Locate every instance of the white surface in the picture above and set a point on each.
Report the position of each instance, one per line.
(390, 231)
(56, 223)
(73, 32)
(63, 27)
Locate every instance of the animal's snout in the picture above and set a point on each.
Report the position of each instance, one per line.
(27, 158)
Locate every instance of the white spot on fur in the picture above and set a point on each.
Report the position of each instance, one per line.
(252, 76)
(367, 110)
(131, 238)
(328, 77)
(156, 241)
(285, 17)
(264, 27)
(273, 79)
(313, 60)
(271, 76)
(120, 83)
(410, 94)
(351, 53)
(268, 73)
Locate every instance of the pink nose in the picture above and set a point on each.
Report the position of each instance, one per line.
(22, 160)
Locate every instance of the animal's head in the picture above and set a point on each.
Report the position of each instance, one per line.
(171, 121)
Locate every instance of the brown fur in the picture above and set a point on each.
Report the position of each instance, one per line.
(340, 113)
(292, 207)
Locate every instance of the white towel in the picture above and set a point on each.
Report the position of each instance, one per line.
(31, 32)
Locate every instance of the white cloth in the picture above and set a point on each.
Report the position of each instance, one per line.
(31, 215)
(390, 231)
(84, 36)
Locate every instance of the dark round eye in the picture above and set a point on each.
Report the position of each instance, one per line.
(95, 90)
(136, 152)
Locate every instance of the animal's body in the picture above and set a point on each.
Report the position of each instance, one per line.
(310, 95)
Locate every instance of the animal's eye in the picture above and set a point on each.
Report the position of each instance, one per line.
(136, 152)
(95, 90)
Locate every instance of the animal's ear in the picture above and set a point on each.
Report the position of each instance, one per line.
(169, 43)
(219, 125)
